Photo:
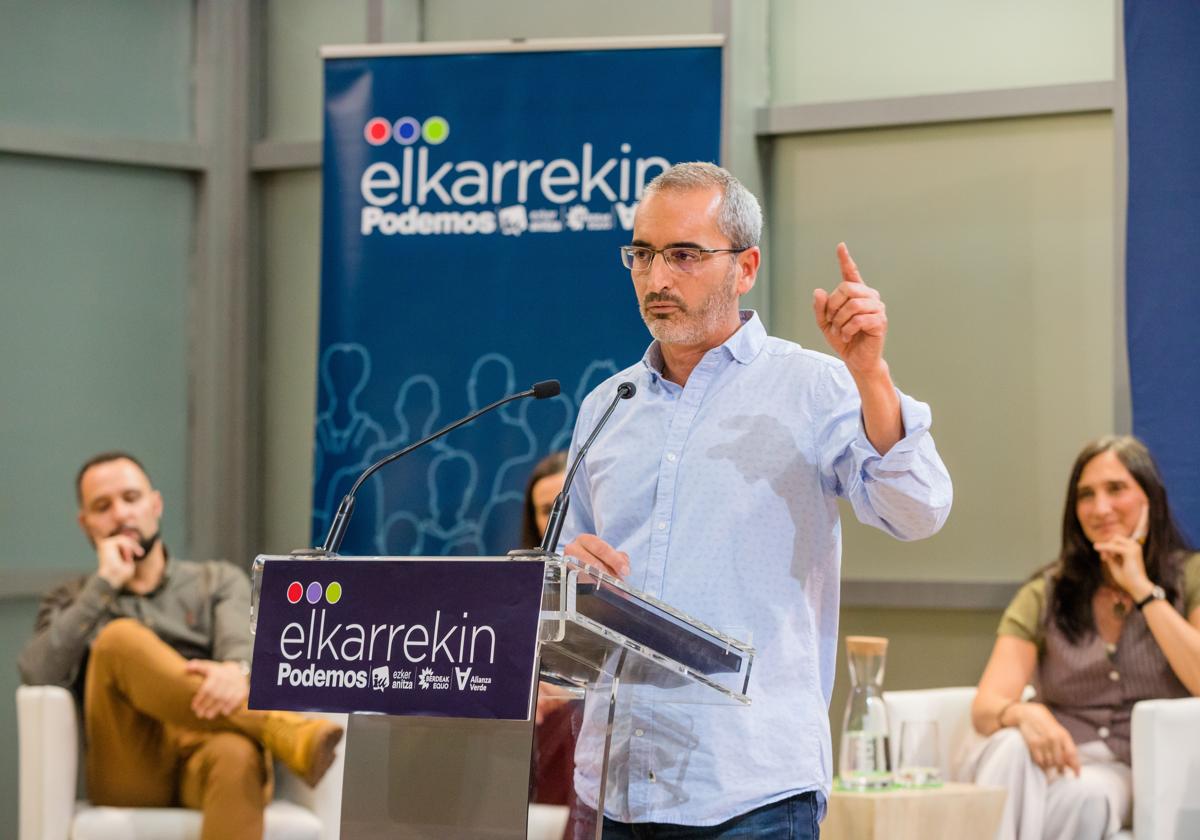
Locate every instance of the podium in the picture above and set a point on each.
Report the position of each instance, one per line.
(437, 661)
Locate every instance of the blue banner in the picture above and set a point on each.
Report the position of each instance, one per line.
(421, 637)
(1162, 281)
(473, 209)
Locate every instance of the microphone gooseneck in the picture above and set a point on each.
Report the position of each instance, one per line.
(558, 513)
(337, 530)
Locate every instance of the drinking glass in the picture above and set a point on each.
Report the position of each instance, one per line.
(920, 756)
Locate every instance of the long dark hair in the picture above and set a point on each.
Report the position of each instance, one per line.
(1077, 572)
(555, 462)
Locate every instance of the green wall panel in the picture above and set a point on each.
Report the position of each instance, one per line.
(93, 331)
(117, 68)
(992, 245)
(865, 49)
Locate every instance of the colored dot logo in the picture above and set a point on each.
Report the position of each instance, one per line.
(296, 591)
(377, 131)
(406, 130)
(435, 130)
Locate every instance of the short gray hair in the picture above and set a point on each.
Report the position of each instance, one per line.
(739, 217)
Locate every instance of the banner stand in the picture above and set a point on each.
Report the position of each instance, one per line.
(474, 197)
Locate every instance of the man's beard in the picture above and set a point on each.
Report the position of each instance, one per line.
(145, 542)
(685, 326)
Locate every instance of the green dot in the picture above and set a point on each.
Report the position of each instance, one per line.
(333, 592)
(435, 130)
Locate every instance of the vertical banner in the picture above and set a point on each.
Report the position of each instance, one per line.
(473, 205)
(1162, 263)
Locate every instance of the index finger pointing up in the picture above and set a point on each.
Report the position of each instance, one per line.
(849, 269)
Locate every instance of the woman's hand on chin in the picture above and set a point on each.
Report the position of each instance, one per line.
(1123, 560)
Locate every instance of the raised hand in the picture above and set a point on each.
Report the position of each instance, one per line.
(852, 318)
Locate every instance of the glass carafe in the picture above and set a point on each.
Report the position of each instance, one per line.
(864, 762)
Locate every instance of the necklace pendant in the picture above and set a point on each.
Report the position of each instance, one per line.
(1119, 609)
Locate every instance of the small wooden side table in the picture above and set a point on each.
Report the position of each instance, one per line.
(952, 810)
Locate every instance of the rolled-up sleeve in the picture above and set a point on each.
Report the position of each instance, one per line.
(906, 492)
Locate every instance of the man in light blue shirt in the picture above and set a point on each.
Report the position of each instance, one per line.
(715, 489)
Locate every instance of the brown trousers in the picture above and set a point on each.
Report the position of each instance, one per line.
(146, 748)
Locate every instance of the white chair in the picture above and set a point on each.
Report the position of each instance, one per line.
(547, 822)
(49, 768)
(48, 755)
(1165, 742)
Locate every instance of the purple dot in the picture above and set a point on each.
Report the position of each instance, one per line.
(314, 592)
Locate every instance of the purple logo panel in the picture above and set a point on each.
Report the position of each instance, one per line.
(446, 637)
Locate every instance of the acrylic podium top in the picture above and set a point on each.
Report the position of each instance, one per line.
(591, 625)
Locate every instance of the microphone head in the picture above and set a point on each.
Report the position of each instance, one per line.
(546, 389)
(626, 390)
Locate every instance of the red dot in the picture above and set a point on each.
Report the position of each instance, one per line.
(377, 131)
(295, 592)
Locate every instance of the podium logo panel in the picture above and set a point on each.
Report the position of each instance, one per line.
(406, 637)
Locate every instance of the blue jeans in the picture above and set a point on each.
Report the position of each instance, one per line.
(795, 818)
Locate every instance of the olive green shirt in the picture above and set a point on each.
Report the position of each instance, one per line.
(1023, 618)
(201, 609)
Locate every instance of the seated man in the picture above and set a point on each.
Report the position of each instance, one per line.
(157, 648)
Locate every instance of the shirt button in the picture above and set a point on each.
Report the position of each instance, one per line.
(1102, 731)
(662, 526)
(639, 732)
(670, 456)
(1111, 648)
(1114, 675)
(652, 777)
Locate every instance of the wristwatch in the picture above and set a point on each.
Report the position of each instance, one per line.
(1156, 594)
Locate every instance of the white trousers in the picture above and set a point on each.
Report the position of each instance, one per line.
(1053, 806)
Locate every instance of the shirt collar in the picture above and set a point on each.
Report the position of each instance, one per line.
(743, 346)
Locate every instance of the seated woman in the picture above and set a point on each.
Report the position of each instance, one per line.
(1114, 620)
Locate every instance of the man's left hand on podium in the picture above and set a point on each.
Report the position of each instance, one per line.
(593, 551)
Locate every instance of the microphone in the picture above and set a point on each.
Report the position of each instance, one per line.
(558, 512)
(337, 530)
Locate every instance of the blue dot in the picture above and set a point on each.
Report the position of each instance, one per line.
(406, 130)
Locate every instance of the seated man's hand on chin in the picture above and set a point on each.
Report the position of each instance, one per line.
(223, 691)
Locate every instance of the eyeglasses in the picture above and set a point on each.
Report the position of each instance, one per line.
(683, 260)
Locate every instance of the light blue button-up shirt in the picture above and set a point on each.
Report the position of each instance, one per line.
(724, 495)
